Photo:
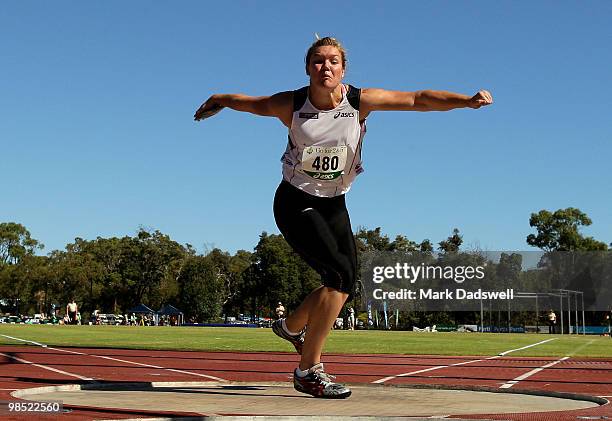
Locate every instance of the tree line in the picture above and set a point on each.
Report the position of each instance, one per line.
(115, 274)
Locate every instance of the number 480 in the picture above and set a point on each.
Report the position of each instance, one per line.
(326, 163)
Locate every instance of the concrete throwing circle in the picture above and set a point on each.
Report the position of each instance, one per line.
(274, 399)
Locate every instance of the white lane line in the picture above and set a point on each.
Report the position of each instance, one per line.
(501, 354)
(117, 359)
(142, 364)
(512, 382)
(385, 379)
(124, 361)
(65, 350)
(196, 374)
(161, 368)
(24, 340)
(46, 367)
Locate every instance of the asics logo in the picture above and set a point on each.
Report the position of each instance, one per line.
(339, 114)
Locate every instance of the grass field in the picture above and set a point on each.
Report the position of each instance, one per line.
(353, 342)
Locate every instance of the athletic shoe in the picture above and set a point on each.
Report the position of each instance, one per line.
(319, 384)
(296, 340)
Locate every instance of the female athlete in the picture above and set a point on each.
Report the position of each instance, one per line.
(326, 122)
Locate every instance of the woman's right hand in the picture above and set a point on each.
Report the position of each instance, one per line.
(208, 109)
(481, 99)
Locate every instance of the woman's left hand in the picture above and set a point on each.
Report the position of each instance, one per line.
(482, 98)
(208, 109)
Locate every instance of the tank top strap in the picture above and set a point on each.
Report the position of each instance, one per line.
(299, 98)
(353, 96)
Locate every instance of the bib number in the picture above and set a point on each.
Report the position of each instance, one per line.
(324, 162)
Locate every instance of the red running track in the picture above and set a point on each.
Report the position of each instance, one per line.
(56, 366)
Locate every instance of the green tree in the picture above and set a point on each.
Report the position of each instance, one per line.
(16, 243)
(452, 243)
(147, 260)
(69, 275)
(105, 290)
(372, 240)
(199, 289)
(276, 271)
(560, 231)
(571, 260)
(231, 270)
(113, 274)
(403, 244)
(509, 267)
(426, 246)
(21, 284)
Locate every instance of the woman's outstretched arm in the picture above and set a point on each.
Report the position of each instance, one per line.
(278, 105)
(428, 100)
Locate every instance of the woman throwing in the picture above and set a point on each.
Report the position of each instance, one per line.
(326, 122)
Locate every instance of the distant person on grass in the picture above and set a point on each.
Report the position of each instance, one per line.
(71, 311)
(552, 322)
(351, 319)
(326, 123)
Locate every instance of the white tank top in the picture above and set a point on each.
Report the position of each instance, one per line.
(323, 154)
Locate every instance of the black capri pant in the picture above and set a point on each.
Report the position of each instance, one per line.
(319, 230)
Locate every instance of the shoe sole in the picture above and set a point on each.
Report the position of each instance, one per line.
(340, 396)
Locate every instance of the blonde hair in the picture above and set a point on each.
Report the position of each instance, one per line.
(326, 41)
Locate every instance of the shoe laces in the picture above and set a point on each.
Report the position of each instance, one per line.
(323, 376)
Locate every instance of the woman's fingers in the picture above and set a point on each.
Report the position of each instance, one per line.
(482, 98)
(206, 110)
(486, 97)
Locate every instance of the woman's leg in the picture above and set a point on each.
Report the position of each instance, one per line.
(318, 311)
(299, 318)
(327, 303)
(319, 230)
(326, 242)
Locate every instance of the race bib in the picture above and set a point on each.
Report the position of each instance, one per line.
(324, 162)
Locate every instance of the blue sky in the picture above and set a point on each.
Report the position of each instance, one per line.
(97, 98)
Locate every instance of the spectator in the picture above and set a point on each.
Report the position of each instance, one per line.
(280, 311)
(552, 322)
(351, 319)
(71, 312)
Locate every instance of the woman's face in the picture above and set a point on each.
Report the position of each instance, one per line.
(325, 67)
